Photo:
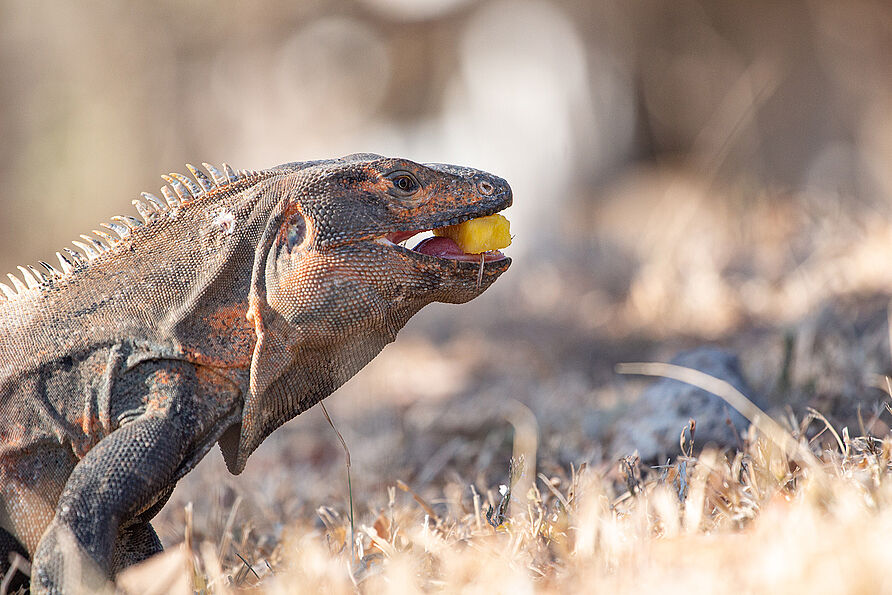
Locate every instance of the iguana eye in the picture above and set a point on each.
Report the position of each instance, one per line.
(405, 183)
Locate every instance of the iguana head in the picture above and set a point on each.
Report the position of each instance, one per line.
(340, 235)
(332, 285)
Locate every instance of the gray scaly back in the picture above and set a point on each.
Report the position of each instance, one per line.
(180, 192)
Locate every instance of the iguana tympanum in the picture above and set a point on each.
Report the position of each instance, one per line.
(238, 301)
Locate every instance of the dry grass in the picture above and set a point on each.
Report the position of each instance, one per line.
(757, 520)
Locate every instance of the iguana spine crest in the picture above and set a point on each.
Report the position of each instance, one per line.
(181, 190)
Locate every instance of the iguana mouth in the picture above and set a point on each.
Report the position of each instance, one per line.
(439, 247)
(448, 249)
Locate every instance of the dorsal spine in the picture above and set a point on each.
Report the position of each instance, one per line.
(180, 191)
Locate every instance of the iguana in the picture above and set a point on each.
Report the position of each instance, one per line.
(239, 300)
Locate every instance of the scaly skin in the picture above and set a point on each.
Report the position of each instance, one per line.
(218, 320)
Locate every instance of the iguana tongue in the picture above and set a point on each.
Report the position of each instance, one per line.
(440, 247)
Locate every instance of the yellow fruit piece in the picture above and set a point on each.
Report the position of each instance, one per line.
(479, 235)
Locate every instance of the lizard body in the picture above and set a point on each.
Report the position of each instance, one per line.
(240, 300)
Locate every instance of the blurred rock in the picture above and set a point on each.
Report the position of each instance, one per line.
(652, 424)
(836, 360)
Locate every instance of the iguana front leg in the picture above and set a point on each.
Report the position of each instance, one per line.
(120, 478)
(138, 540)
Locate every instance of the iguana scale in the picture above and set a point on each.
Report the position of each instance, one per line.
(236, 302)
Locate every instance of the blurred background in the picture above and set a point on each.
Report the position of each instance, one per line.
(684, 172)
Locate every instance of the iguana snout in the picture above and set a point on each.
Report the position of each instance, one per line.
(442, 270)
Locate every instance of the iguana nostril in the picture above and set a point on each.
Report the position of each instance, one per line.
(485, 187)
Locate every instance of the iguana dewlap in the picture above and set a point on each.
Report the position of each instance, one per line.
(238, 300)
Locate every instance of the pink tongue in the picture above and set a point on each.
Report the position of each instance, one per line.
(440, 247)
